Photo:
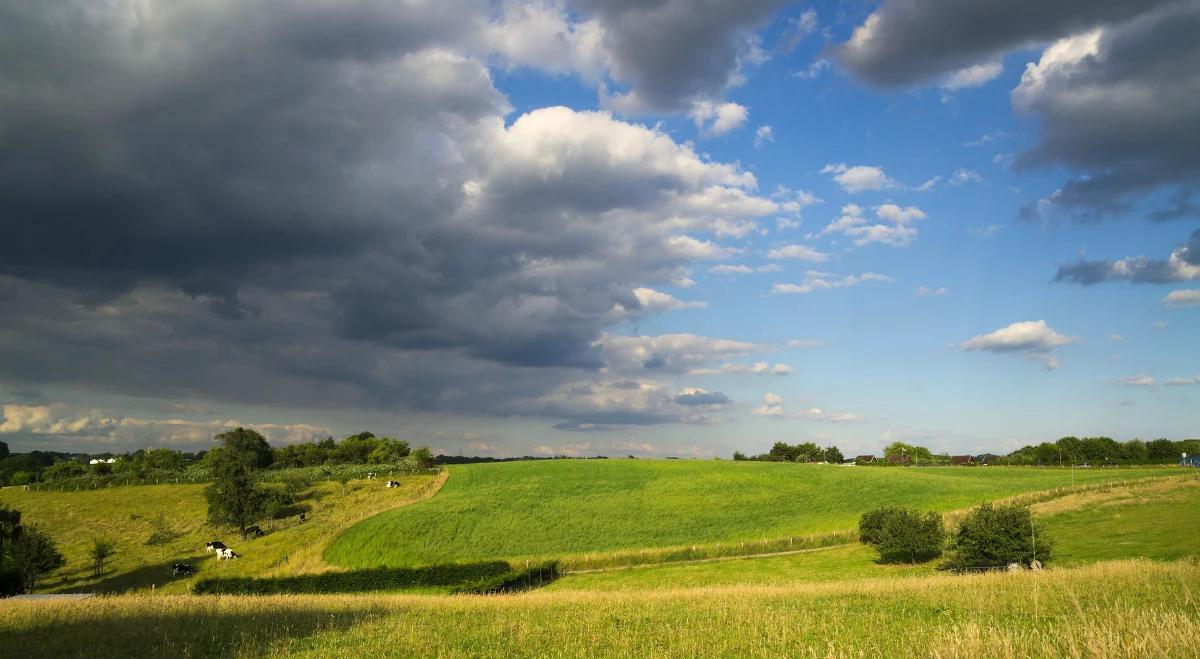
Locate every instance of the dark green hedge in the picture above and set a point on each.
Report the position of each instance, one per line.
(534, 576)
(358, 581)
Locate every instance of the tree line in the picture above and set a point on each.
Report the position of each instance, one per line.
(803, 452)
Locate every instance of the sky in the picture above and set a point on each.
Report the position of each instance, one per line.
(573, 227)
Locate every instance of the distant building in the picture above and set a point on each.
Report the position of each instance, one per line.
(987, 458)
(962, 460)
(901, 459)
(101, 461)
(864, 459)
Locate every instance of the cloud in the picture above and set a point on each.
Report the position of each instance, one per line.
(922, 291)
(903, 43)
(57, 421)
(713, 119)
(816, 281)
(773, 407)
(860, 178)
(667, 353)
(670, 53)
(756, 368)
(928, 185)
(1184, 297)
(987, 231)
(798, 252)
(1179, 382)
(898, 231)
(1115, 337)
(421, 247)
(1141, 380)
(1182, 265)
(804, 344)
(972, 76)
(1115, 90)
(694, 396)
(964, 176)
(763, 135)
(1033, 339)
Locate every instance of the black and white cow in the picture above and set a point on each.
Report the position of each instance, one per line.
(215, 545)
(393, 483)
(227, 555)
(254, 532)
(182, 570)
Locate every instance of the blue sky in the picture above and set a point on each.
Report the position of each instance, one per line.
(474, 315)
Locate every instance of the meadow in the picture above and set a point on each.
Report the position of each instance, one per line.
(1118, 609)
(127, 515)
(566, 508)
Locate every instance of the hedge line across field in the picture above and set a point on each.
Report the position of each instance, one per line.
(483, 577)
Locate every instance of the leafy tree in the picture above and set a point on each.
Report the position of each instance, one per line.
(161, 532)
(389, 451)
(996, 536)
(10, 529)
(1135, 449)
(424, 458)
(33, 554)
(918, 454)
(903, 532)
(234, 497)
(738, 456)
(63, 469)
(3, 450)
(1162, 450)
(101, 550)
(165, 459)
(833, 454)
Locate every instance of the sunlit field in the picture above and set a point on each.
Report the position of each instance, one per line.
(1120, 609)
(126, 516)
(553, 509)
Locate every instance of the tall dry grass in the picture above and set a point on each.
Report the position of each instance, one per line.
(1119, 609)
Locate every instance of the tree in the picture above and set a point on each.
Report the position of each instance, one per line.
(161, 533)
(424, 458)
(33, 554)
(917, 454)
(101, 549)
(63, 469)
(389, 451)
(234, 497)
(10, 529)
(832, 454)
(903, 532)
(997, 536)
(1162, 450)
(3, 450)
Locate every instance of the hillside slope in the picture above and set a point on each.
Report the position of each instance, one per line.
(126, 516)
(554, 508)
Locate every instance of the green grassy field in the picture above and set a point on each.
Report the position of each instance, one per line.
(551, 509)
(124, 516)
(1121, 609)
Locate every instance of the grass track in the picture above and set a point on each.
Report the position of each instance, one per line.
(1120, 609)
(556, 509)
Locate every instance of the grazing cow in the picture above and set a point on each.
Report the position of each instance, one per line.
(1015, 567)
(393, 483)
(303, 519)
(227, 554)
(182, 570)
(253, 532)
(215, 545)
(370, 475)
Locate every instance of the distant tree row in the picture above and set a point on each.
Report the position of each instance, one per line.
(803, 452)
(1067, 451)
(165, 464)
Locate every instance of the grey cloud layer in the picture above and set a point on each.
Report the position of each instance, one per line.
(1117, 89)
(293, 204)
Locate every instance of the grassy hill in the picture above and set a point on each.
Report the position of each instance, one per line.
(562, 507)
(127, 515)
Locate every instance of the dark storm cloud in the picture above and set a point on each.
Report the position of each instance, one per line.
(1117, 89)
(1182, 265)
(672, 52)
(910, 41)
(319, 204)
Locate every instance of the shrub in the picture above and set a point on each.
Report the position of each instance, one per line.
(991, 537)
(903, 533)
(357, 581)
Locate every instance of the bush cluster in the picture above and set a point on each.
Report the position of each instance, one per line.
(483, 577)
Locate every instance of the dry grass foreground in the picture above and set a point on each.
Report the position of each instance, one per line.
(1131, 608)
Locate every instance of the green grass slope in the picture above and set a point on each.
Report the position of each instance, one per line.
(124, 516)
(555, 508)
